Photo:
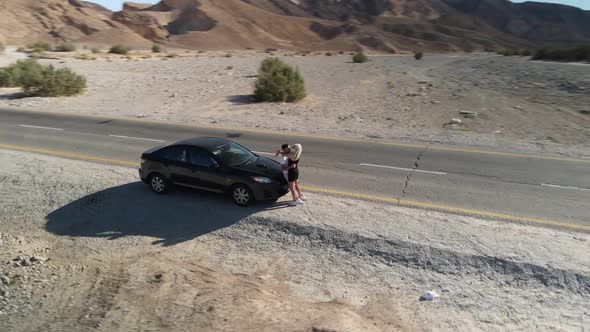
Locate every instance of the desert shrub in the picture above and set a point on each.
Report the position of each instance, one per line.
(228, 55)
(40, 47)
(1, 47)
(526, 52)
(95, 51)
(360, 58)
(329, 54)
(120, 49)
(65, 48)
(21, 50)
(278, 82)
(24, 73)
(60, 82)
(418, 55)
(40, 80)
(156, 48)
(567, 54)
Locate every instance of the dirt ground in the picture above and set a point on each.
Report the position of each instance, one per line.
(86, 247)
(520, 105)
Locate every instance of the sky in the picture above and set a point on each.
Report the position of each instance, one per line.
(118, 4)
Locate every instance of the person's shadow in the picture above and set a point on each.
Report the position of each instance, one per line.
(133, 209)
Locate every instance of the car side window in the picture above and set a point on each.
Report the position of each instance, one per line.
(175, 153)
(201, 158)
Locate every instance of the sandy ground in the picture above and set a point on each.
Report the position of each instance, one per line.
(85, 247)
(521, 105)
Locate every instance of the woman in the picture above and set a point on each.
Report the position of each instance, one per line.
(293, 154)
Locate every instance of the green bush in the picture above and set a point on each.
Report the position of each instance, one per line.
(40, 47)
(360, 58)
(156, 48)
(278, 82)
(44, 81)
(566, 54)
(526, 52)
(120, 49)
(65, 48)
(60, 82)
(418, 55)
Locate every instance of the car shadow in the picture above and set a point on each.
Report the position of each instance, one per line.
(134, 210)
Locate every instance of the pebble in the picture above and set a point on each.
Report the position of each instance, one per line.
(5, 280)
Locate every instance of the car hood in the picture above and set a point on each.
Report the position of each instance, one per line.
(264, 166)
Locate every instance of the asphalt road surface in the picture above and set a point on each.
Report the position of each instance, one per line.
(536, 187)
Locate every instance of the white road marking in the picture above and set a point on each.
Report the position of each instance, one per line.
(266, 153)
(404, 169)
(139, 138)
(39, 127)
(564, 187)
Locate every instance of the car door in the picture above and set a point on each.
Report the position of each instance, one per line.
(175, 164)
(206, 170)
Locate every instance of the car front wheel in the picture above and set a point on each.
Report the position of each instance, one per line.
(242, 195)
(158, 183)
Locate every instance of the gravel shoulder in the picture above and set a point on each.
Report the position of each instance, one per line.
(519, 105)
(109, 255)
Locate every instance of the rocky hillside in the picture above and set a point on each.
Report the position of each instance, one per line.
(385, 25)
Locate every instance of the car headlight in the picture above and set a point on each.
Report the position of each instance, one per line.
(261, 179)
(142, 160)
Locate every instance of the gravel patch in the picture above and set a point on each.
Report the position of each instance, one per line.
(105, 253)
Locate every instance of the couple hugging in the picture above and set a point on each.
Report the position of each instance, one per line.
(289, 164)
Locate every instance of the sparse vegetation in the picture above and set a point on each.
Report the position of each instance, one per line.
(228, 55)
(360, 58)
(65, 48)
(1, 48)
(278, 82)
(120, 49)
(526, 52)
(565, 54)
(329, 54)
(418, 55)
(44, 81)
(156, 48)
(21, 50)
(95, 51)
(39, 47)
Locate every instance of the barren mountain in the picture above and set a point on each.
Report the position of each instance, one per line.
(385, 25)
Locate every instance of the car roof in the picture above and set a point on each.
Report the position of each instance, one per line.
(208, 143)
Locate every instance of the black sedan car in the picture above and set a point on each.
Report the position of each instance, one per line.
(214, 164)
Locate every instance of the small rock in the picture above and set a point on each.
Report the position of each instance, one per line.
(5, 280)
(38, 259)
(429, 296)
(518, 107)
(468, 114)
(3, 292)
(413, 94)
(388, 118)
(456, 121)
(435, 102)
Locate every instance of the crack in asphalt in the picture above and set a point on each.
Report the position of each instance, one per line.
(409, 176)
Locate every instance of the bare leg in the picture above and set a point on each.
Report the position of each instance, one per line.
(298, 189)
(293, 191)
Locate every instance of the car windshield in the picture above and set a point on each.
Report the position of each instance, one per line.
(233, 154)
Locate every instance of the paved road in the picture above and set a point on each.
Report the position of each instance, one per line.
(520, 185)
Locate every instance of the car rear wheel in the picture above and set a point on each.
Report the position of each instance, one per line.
(159, 183)
(242, 195)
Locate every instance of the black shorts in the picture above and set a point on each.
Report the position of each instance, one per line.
(293, 174)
